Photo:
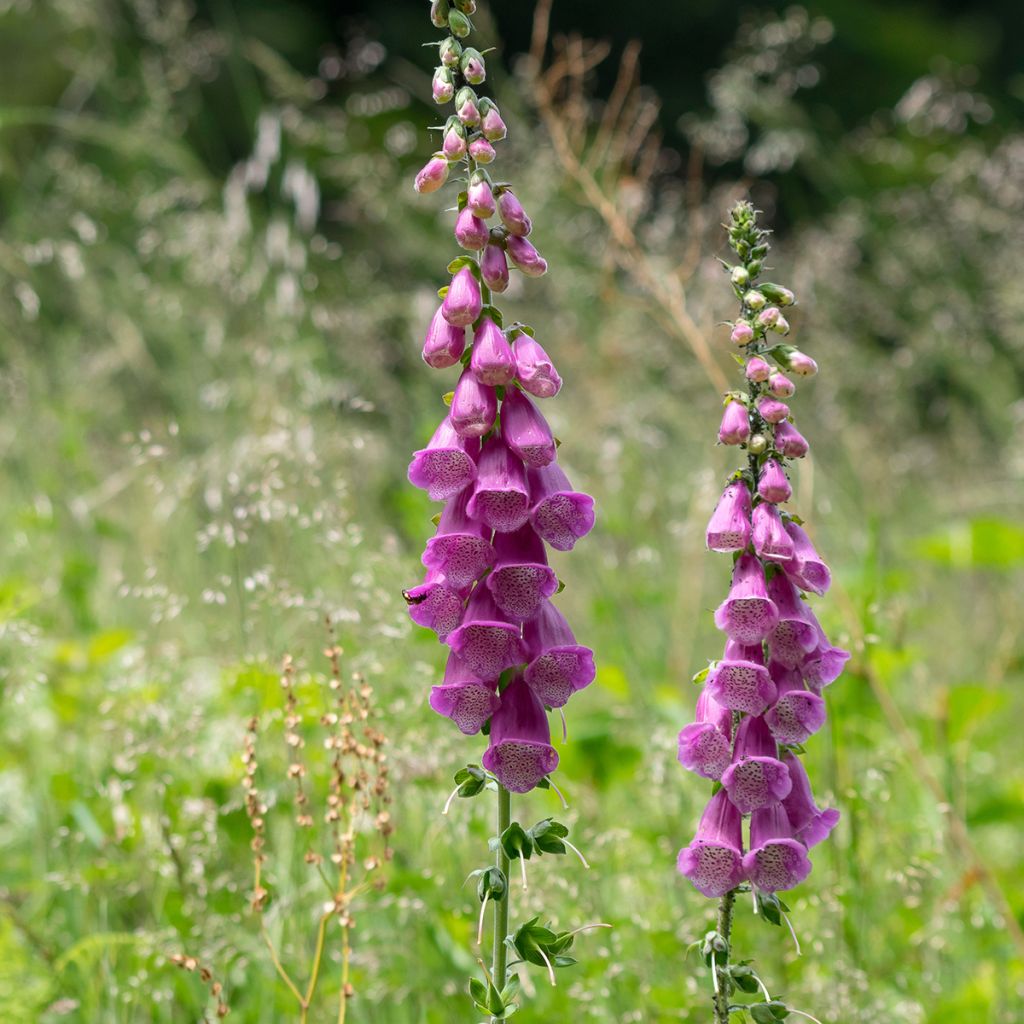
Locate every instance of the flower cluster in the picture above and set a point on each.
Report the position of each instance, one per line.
(763, 699)
(488, 585)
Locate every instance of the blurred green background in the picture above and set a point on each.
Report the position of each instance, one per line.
(215, 278)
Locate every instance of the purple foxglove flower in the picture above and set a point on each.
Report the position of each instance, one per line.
(463, 303)
(520, 752)
(534, 369)
(474, 406)
(462, 697)
(522, 253)
(486, 642)
(480, 198)
(560, 515)
(494, 268)
(748, 615)
(705, 746)
(797, 631)
(522, 578)
(756, 777)
(442, 87)
(558, 665)
(769, 317)
(512, 214)
(470, 231)
(714, 860)
(444, 344)
(729, 527)
(790, 441)
(742, 334)
(757, 369)
(798, 714)
(525, 430)
(771, 409)
(740, 682)
(481, 151)
(825, 664)
(806, 570)
(773, 485)
(776, 860)
(781, 386)
(435, 604)
(474, 70)
(461, 549)
(500, 499)
(492, 125)
(454, 144)
(735, 427)
(771, 541)
(432, 175)
(492, 361)
(446, 465)
(802, 364)
(811, 824)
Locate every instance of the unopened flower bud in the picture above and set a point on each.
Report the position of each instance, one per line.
(772, 410)
(466, 107)
(439, 13)
(772, 484)
(458, 24)
(790, 441)
(781, 326)
(492, 361)
(776, 293)
(512, 214)
(492, 125)
(470, 231)
(463, 303)
(480, 198)
(466, 6)
(444, 344)
(802, 364)
(735, 427)
(781, 386)
(757, 444)
(742, 334)
(494, 267)
(740, 277)
(768, 317)
(433, 174)
(481, 151)
(454, 145)
(757, 370)
(443, 85)
(525, 256)
(451, 52)
(474, 70)
(755, 300)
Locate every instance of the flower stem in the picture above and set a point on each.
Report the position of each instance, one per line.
(721, 1001)
(499, 960)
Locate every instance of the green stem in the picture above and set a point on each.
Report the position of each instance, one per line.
(721, 1001)
(499, 969)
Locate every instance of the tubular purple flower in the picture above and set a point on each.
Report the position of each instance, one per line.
(454, 144)
(522, 578)
(534, 369)
(748, 615)
(811, 824)
(492, 125)
(470, 231)
(462, 697)
(512, 214)
(492, 361)
(797, 631)
(790, 441)
(756, 777)
(474, 406)
(461, 549)
(729, 527)
(435, 604)
(481, 151)
(740, 682)
(520, 752)
(480, 198)
(757, 369)
(781, 386)
(806, 569)
(705, 745)
(522, 253)
(771, 409)
(798, 714)
(802, 364)
(463, 303)
(500, 498)
(444, 344)
(446, 465)
(714, 860)
(525, 430)
(486, 642)
(773, 485)
(825, 664)
(735, 426)
(494, 267)
(432, 175)
(560, 515)
(776, 860)
(771, 542)
(558, 666)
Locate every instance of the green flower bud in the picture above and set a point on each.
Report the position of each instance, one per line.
(451, 52)
(757, 444)
(466, 6)
(740, 277)
(473, 68)
(439, 13)
(458, 24)
(755, 300)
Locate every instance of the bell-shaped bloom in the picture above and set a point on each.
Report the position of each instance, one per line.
(714, 860)
(781, 386)
(520, 752)
(454, 145)
(776, 860)
(492, 125)
(729, 527)
(798, 714)
(480, 199)
(492, 361)
(500, 499)
(463, 303)
(486, 642)
(806, 569)
(522, 578)
(802, 364)
(470, 231)
(494, 268)
(525, 430)
(558, 666)
(474, 406)
(534, 369)
(771, 409)
(705, 745)
(811, 824)
(435, 604)
(560, 515)
(444, 344)
(462, 697)
(747, 615)
(446, 465)
(757, 369)
(771, 541)
(797, 631)
(790, 441)
(482, 151)
(461, 549)
(512, 214)
(756, 777)
(432, 175)
(772, 484)
(740, 682)
(825, 664)
(735, 426)
(522, 253)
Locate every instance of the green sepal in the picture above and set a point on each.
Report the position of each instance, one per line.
(516, 842)
(770, 908)
(463, 261)
(699, 677)
(436, 518)
(768, 1013)
(442, 291)
(547, 836)
(471, 780)
(447, 397)
(743, 978)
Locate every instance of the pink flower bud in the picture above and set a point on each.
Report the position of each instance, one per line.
(467, 111)
(432, 175)
(768, 317)
(512, 214)
(781, 386)
(454, 145)
(755, 300)
(480, 199)
(735, 428)
(534, 369)
(757, 370)
(772, 410)
(481, 151)
(493, 126)
(474, 406)
(781, 326)
(492, 361)
(470, 231)
(463, 303)
(802, 364)
(790, 441)
(451, 52)
(444, 344)
(442, 87)
(742, 334)
(474, 70)
(494, 268)
(525, 256)
(773, 485)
